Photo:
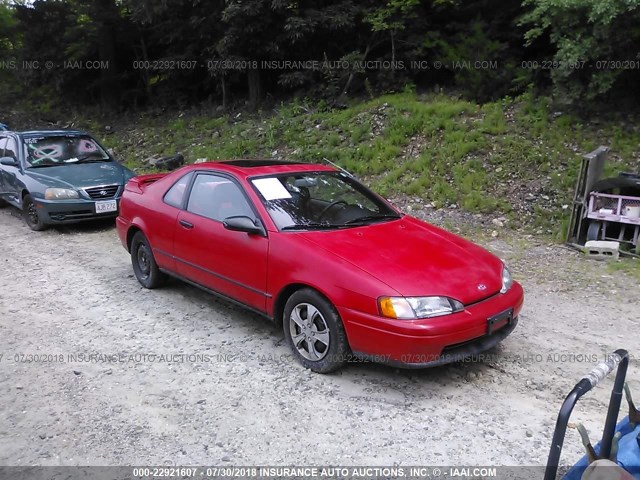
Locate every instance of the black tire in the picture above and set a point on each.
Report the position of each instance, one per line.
(593, 233)
(311, 331)
(30, 215)
(144, 264)
(3, 203)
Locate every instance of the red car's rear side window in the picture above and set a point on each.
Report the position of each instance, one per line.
(175, 195)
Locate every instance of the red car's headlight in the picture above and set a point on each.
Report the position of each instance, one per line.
(507, 279)
(412, 308)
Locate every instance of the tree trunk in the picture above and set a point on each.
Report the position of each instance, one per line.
(143, 71)
(393, 46)
(223, 85)
(106, 14)
(352, 75)
(255, 88)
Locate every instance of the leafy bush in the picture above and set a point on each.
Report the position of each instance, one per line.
(596, 43)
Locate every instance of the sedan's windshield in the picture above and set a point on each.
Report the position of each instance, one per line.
(58, 150)
(320, 200)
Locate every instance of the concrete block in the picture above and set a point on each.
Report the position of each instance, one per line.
(602, 250)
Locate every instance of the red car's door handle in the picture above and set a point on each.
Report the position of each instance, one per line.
(186, 224)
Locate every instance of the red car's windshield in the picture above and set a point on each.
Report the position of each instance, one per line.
(300, 201)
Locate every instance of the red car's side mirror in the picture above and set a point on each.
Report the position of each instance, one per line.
(242, 223)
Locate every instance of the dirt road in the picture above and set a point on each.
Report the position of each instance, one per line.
(95, 370)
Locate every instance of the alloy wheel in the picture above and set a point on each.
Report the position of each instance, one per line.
(309, 332)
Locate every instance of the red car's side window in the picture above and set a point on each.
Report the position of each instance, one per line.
(217, 198)
(175, 195)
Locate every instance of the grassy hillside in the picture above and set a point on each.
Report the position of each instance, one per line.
(516, 158)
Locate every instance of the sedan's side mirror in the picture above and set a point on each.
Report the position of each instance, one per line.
(242, 223)
(10, 162)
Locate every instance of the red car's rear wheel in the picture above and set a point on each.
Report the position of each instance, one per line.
(314, 331)
(144, 264)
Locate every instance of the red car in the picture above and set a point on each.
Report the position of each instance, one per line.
(346, 273)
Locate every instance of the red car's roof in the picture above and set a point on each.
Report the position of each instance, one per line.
(250, 168)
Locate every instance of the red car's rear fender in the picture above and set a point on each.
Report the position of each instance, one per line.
(137, 224)
(131, 231)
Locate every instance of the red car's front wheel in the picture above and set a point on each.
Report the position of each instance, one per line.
(314, 331)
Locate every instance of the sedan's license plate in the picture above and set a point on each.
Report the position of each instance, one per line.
(498, 321)
(106, 206)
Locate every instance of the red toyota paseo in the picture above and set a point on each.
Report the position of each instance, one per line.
(346, 274)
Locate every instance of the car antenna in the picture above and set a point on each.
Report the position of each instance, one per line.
(339, 167)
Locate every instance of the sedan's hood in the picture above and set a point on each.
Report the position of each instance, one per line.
(416, 259)
(79, 175)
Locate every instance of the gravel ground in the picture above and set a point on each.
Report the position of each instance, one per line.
(70, 292)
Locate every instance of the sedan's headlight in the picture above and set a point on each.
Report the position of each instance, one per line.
(60, 194)
(507, 280)
(412, 308)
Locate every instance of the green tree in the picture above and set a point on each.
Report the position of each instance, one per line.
(66, 34)
(176, 31)
(327, 30)
(251, 30)
(7, 28)
(43, 25)
(96, 27)
(8, 40)
(592, 40)
(392, 18)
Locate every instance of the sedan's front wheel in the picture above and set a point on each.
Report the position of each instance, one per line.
(144, 265)
(314, 331)
(30, 214)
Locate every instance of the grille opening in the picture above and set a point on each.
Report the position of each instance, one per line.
(72, 212)
(479, 344)
(100, 193)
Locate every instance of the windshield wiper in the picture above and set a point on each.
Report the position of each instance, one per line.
(88, 159)
(314, 226)
(369, 218)
(44, 165)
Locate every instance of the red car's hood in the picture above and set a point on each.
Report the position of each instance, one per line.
(416, 259)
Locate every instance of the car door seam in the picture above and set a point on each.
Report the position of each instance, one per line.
(222, 277)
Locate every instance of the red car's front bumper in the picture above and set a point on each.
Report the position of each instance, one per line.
(434, 341)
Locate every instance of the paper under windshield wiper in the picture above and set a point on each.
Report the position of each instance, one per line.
(369, 218)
